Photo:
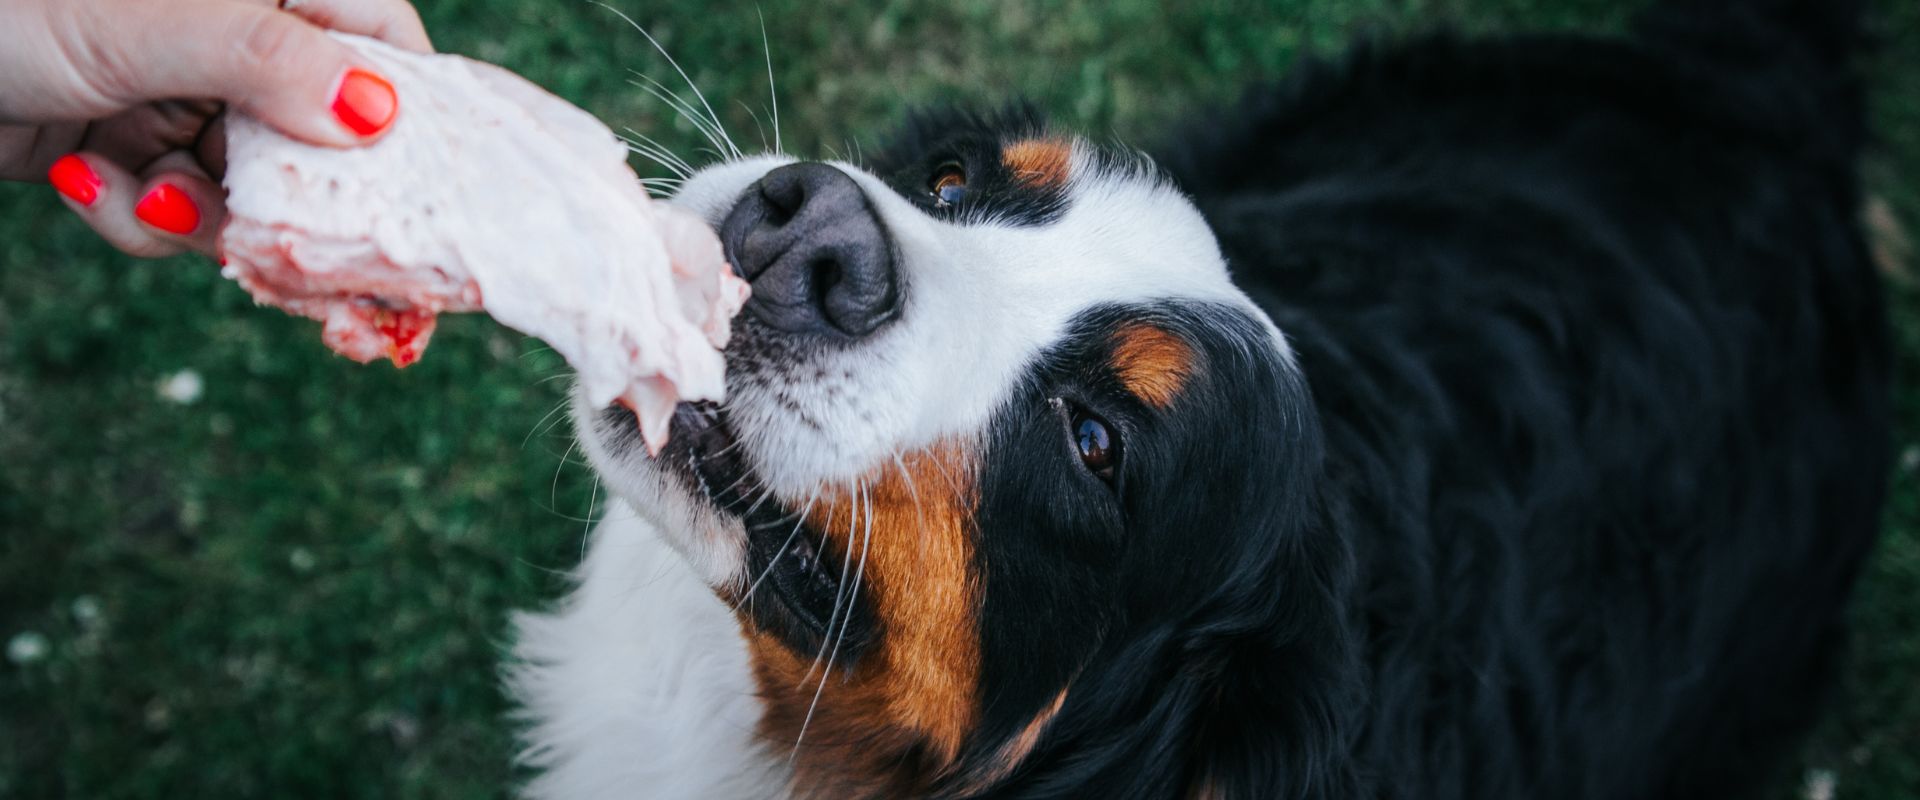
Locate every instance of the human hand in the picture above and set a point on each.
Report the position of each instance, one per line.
(117, 102)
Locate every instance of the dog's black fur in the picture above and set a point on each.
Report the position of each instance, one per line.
(1598, 385)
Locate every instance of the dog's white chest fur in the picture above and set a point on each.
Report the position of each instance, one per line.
(638, 684)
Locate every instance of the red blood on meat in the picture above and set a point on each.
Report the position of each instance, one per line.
(406, 333)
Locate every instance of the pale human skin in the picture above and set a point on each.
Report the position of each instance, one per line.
(118, 103)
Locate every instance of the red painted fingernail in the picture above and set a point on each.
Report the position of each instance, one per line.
(168, 209)
(365, 102)
(72, 177)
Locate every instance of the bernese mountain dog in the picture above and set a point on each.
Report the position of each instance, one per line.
(1462, 418)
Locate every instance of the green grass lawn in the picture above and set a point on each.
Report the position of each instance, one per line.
(294, 582)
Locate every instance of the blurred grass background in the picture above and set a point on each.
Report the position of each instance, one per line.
(235, 565)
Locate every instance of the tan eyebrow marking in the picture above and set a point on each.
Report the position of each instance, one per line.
(1040, 163)
(1153, 364)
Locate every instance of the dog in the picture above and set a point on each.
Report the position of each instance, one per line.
(1461, 418)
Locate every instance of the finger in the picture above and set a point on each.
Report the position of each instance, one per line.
(392, 21)
(179, 202)
(211, 149)
(34, 148)
(275, 66)
(104, 195)
(135, 137)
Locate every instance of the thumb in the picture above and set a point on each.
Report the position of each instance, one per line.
(268, 63)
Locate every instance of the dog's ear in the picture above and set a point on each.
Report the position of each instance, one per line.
(1257, 694)
(1273, 722)
(1277, 689)
(1271, 651)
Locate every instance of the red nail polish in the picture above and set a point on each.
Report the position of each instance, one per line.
(365, 102)
(72, 177)
(168, 209)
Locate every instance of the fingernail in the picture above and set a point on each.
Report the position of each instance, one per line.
(168, 209)
(72, 177)
(365, 102)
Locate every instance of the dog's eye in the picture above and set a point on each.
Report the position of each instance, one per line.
(1099, 448)
(949, 185)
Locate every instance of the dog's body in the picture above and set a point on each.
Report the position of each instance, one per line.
(1555, 486)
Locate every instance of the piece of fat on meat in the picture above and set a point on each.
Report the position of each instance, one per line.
(486, 194)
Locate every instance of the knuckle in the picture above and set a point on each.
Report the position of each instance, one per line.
(399, 23)
(408, 17)
(269, 42)
(104, 67)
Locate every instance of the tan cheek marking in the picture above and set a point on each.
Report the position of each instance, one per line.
(1152, 363)
(900, 718)
(1040, 163)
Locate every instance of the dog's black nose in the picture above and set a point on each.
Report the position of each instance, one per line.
(817, 254)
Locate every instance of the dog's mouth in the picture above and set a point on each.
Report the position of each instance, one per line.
(786, 557)
(704, 450)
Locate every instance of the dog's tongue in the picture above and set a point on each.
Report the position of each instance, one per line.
(487, 194)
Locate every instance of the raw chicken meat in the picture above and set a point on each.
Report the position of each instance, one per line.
(487, 194)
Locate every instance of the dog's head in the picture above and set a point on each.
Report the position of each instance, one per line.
(1007, 463)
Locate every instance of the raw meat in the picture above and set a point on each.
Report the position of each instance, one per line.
(487, 194)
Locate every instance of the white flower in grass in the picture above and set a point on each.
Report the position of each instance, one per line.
(183, 387)
(27, 647)
(1821, 785)
(86, 610)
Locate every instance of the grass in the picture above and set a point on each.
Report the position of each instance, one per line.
(294, 582)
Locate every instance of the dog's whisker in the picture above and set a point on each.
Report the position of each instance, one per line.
(681, 107)
(799, 523)
(659, 191)
(552, 415)
(765, 495)
(553, 491)
(559, 417)
(586, 536)
(839, 597)
(685, 110)
(756, 122)
(833, 652)
(652, 151)
(773, 94)
(656, 158)
(685, 168)
(781, 520)
(736, 444)
(683, 74)
(734, 485)
(919, 508)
